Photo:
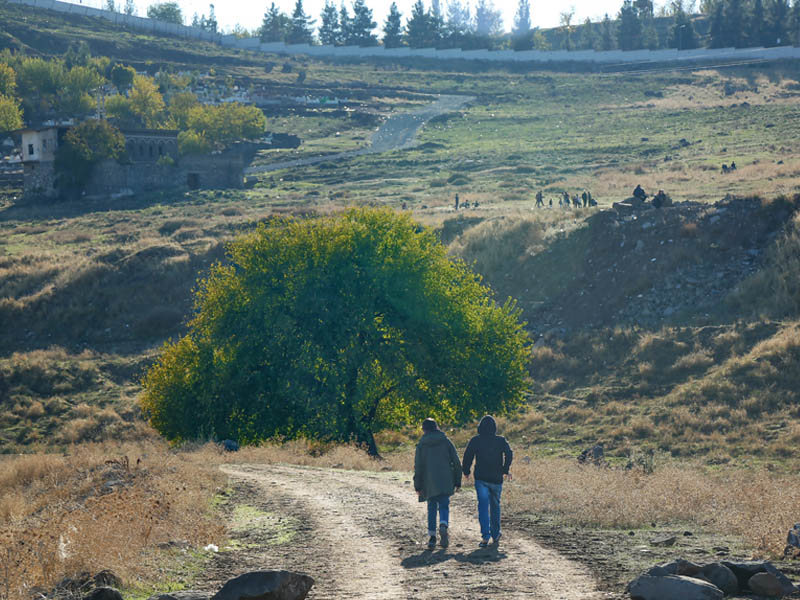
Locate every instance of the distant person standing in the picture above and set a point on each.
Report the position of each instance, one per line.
(539, 199)
(492, 456)
(456, 201)
(437, 475)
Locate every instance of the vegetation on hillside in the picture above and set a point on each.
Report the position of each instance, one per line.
(36, 89)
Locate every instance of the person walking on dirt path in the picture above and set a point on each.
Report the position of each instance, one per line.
(456, 201)
(437, 476)
(539, 199)
(492, 456)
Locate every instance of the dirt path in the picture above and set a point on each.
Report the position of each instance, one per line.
(398, 131)
(362, 535)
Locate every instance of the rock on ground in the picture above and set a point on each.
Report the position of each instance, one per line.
(266, 585)
(765, 584)
(672, 587)
(722, 577)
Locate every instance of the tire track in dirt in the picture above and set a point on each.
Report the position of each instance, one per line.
(362, 535)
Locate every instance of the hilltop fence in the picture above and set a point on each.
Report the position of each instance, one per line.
(528, 56)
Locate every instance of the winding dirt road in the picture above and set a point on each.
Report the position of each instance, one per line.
(398, 131)
(362, 535)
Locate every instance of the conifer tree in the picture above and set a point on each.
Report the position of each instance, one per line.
(607, 38)
(393, 28)
(717, 37)
(682, 34)
(488, 20)
(778, 21)
(588, 35)
(522, 20)
(629, 33)
(301, 27)
(275, 25)
(345, 24)
(734, 23)
(328, 33)
(758, 35)
(361, 30)
(418, 30)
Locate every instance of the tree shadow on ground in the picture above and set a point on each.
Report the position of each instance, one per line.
(476, 557)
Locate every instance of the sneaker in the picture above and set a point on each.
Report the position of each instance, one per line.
(432, 542)
(483, 544)
(496, 540)
(444, 539)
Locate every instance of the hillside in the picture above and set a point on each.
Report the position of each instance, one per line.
(640, 320)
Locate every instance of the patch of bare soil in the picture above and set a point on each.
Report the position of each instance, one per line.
(362, 535)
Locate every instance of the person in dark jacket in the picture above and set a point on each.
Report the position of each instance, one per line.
(492, 456)
(437, 475)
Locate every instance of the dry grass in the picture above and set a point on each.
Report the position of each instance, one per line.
(102, 507)
(757, 506)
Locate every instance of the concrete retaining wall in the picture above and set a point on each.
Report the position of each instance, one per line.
(530, 56)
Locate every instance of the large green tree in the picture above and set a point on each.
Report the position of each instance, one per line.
(335, 328)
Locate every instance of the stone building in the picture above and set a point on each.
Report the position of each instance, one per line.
(39, 145)
(152, 164)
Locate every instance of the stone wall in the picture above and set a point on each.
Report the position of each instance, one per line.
(39, 179)
(192, 172)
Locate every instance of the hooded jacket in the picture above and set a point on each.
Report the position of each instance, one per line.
(437, 470)
(491, 453)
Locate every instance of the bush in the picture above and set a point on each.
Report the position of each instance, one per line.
(191, 142)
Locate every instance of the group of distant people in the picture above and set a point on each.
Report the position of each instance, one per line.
(659, 200)
(584, 200)
(728, 168)
(463, 205)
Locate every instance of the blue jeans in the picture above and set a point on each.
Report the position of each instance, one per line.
(442, 505)
(489, 508)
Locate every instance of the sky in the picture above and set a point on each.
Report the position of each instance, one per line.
(249, 14)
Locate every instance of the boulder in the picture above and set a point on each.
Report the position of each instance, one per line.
(103, 593)
(266, 585)
(765, 584)
(672, 587)
(721, 576)
(746, 569)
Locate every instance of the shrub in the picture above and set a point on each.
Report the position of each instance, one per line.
(191, 142)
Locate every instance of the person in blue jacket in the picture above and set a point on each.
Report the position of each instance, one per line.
(492, 456)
